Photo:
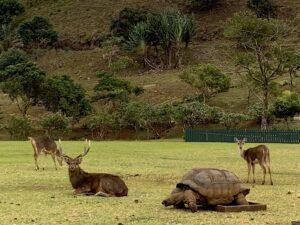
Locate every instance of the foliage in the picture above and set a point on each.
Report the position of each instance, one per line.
(111, 88)
(9, 9)
(22, 82)
(121, 63)
(55, 124)
(61, 94)
(263, 60)
(193, 114)
(207, 78)
(205, 4)
(263, 8)
(19, 127)
(110, 47)
(164, 35)
(231, 120)
(292, 65)
(287, 105)
(101, 123)
(127, 19)
(38, 31)
(12, 57)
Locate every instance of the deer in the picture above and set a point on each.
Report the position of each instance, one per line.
(46, 145)
(97, 184)
(259, 154)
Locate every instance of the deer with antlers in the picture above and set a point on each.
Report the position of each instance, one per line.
(99, 184)
(46, 145)
(259, 154)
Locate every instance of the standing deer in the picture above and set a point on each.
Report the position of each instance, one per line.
(259, 154)
(99, 184)
(46, 145)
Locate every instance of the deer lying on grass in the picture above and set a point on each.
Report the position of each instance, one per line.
(259, 154)
(46, 145)
(100, 184)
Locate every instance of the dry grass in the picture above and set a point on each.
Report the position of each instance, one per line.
(45, 197)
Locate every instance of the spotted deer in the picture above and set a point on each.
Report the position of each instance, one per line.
(98, 184)
(259, 154)
(46, 145)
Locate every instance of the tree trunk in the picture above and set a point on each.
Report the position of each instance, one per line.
(264, 116)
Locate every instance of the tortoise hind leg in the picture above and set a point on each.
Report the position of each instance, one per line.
(190, 199)
(240, 199)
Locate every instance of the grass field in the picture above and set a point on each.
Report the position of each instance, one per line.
(150, 170)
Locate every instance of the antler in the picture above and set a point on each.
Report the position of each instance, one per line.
(86, 148)
(60, 148)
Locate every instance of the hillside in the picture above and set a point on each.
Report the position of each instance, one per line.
(78, 19)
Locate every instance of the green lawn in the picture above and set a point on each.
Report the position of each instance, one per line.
(45, 197)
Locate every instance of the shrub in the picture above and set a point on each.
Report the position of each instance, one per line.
(19, 127)
(205, 4)
(9, 9)
(101, 123)
(231, 120)
(263, 8)
(12, 57)
(55, 124)
(61, 94)
(127, 19)
(121, 63)
(38, 31)
(209, 79)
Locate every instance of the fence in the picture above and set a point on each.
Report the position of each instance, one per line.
(257, 136)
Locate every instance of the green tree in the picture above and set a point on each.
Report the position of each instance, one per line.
(231, 120)
(22, 82)
(38, 31)
(9, 9)
(12, 57)
(292, 65)
(112, 89)
(61, 94)
(207, 78)
(286, 106)
(19, 127)
(262, 60)
(101, 123)
(263, 8)
(55, 124)
(164, 36)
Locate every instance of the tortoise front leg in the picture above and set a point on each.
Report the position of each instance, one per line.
(174, 199)
(240, 199)
(190, 198)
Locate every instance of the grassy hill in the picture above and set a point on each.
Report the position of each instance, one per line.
(77, 19)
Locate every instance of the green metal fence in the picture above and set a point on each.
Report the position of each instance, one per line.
(257, 136)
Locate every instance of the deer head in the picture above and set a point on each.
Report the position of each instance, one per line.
(73, 163)
(240, 143)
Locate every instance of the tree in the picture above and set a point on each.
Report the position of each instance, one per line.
(22, 82)
(292, 65)
(55, 124)
(263, 8)
(231, 120)
(38, 31)
(12, 57)
(207, 78)
(19, 127)
(61, 94)
(9, 9)
(286, 106)
(113, 89)
(262, 59)
(163, 35)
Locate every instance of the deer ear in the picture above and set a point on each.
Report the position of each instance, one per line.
(236, 140)
(244, 139)
(66, 159)
(79, 160)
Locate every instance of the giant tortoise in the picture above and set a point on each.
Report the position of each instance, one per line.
(207, 187)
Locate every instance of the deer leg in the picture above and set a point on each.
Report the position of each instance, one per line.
(269, 171)
(53, 158)
(102, 194)
(249, 169)
(82, 190)
(36, 161)
(264, 171)
(191, 200)
(253, 172)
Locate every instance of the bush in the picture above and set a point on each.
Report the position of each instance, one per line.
(263, 8)
(19, 127)
(61, 94)
(231, 120)
(55, 124)
(12, 57)
(121, 63)
(8, 9)
(101, 123)
(127, 19)
(205, 4)
(38, 31)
